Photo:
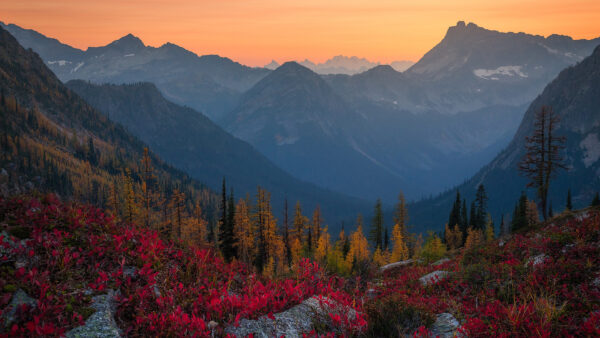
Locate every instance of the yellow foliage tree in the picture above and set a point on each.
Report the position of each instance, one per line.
(400, 250)
(243, 233)
(359, 246)
(433, 249)
(454, 237)
(474, 239)
(381, 257)
(323, 246)
(489, 229)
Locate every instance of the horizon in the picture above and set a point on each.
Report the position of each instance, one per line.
(294, 31)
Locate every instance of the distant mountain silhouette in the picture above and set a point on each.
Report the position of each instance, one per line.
(208, 83)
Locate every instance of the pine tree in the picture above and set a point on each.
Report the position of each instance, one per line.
(455, 213)
(464, 221)
(226, 240)
(401, 215)
(386, 239)
(376, 234)
(489, 229)
(569, 200)
(519, 219)
(231, 222)
(481, 208)
(543, 158)
(473, 215)
(286, 233)
(316, 226)
(595, 201)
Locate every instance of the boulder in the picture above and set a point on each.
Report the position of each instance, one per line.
(396, 264)
(102, 322)
(441, 261)
(445, 326)
(19, 298)
(536, 260)
(434, 277)
(292, 322)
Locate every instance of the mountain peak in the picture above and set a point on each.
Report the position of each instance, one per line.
(128, 42)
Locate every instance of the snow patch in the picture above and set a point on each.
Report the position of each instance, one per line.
(77, 67)
(59, 62)
(591, 148)
(129, 55)
(491, 74)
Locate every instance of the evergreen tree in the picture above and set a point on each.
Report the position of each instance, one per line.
(595, 201)
(455, 213)
(550, 211)
(226, 239)
(286, 233)
(481, 208)
(401, 215)
(464, 221)
(376, 234)
(519, 220)
(473, 215)
(569, 200)
(231, 223)
(386, 239)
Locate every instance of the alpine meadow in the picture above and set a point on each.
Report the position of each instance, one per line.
(299, 169)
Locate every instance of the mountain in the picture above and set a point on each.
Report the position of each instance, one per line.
(295, 119)
(272, 65)
(470, 69)
(190, 141)
(401, 66)
(207, 83)
(575, 97)
(54, 138)
(348, 65)
(473, 67)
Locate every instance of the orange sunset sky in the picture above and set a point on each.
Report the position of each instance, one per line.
(254, 32)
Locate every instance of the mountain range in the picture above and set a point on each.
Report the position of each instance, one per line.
(368, 135)
(208, 83)
(192, 142)
(574, 95)
(341, 64)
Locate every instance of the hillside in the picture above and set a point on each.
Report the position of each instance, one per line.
(112, 278)
(575, 97)
(191, 142)
(54, 140)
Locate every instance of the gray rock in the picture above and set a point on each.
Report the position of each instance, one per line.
(396, 264)
(445, 326)
(102, 323)
(371, 293)
(567, 247)
(536, 260)
(441, 261)
(19, 298)
(3, 172)
(130, 271)
(434, 277)
(290, 323)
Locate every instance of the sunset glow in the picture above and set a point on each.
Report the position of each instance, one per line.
(254, 32)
